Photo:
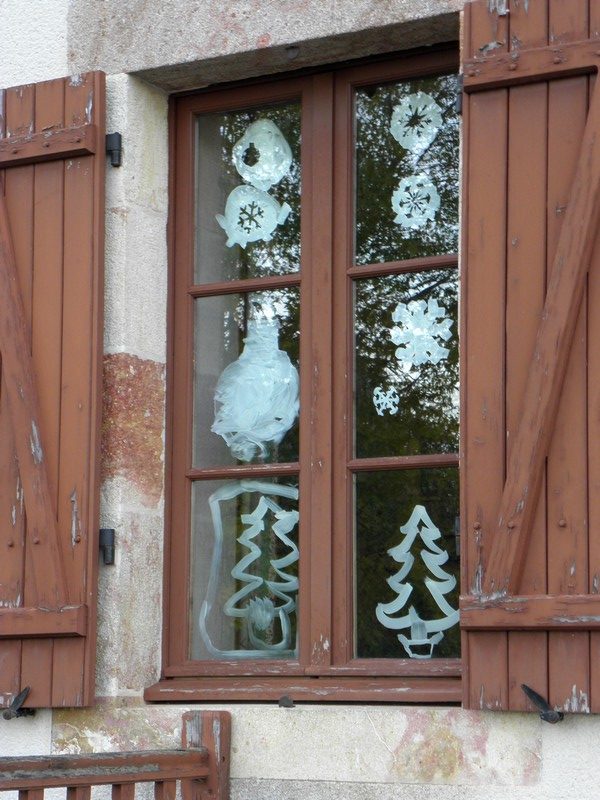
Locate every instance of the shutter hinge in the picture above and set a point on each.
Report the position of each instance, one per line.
(460, 87)
(107, 545)
(114, 148)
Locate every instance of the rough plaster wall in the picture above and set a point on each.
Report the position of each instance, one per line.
(33, 40)
(206, 41)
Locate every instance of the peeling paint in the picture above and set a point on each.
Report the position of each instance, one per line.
(498, 6)
(578, 702)
(76, 80)
(36, 445)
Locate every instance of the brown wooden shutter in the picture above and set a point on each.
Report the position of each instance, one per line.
(530, 609)
(51, 255)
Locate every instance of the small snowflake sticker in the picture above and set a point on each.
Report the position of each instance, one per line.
(421, 326)
(416, 121)
(385, 401)
(415, 201)
(251, 215)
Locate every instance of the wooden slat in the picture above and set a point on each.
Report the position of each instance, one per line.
(102, 768)
(525, 289)
(547, 612)
(48, 145)
(165, 790)
(79, 792)
(566, 488)
(483, 290)
(210, 730)
(545, 379)
(34, 622)
(123, 791)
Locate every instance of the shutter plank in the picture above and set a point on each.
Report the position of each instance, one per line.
(569, 21)
(483, 287)
(567, 456)
(525, 289)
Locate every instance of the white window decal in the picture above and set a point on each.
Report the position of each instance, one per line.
(251, 215)
(416, 121)
(256, 398)
(266, 604)
(385, 401)
(421, 325)
(420, 645)
(416, 202)
(262, 156)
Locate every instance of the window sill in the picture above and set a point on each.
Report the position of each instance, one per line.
(428, 689)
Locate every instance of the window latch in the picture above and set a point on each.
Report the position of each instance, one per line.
(114, 148)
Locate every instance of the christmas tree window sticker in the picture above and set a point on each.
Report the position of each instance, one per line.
(424, 634)
(421, 328)
(266, 588)
(257, 396)
(415, 123)
(262, 158)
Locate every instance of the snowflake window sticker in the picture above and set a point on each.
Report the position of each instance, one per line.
(385, 401)
(416, 121)
(421, 326)
(251, 215)
(415, 202)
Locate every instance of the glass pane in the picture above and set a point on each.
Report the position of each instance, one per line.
(407, 138)
(406, 364)
(248, 193)
(407, 564)
(244, 569)
(246, 384)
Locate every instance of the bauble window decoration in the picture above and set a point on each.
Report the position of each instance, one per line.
(262, 156)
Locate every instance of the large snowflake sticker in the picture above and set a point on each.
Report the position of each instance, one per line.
(416, 121)
(421, 326)
(251, 215)
(415, 201)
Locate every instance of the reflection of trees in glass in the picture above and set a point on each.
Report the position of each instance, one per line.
(427, 416)
(217, 135)
(384, 501)
(381, 163)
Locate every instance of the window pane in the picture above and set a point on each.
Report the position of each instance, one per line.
(248, 193)
(406, 364)
(407, 554)
(246, 384)
(244, 569)
(406, 170)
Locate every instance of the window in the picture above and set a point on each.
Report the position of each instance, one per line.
(313, 444)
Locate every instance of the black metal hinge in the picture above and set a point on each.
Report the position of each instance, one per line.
(114, 148)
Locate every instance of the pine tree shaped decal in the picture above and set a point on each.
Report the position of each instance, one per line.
(439, 585)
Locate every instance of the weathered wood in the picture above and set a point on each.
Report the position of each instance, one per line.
(20, 386)
(531, 612)
(33, 772)
(495, 70)
(48, 145)
(211, 730)
(542, 393)
(25, 623)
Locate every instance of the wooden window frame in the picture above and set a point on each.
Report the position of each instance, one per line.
(325, 669)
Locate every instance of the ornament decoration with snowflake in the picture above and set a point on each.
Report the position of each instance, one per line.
(251, 215)
(421, 326)
(416, 121)
(415, 202)
(420, 644)
(385, 401)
